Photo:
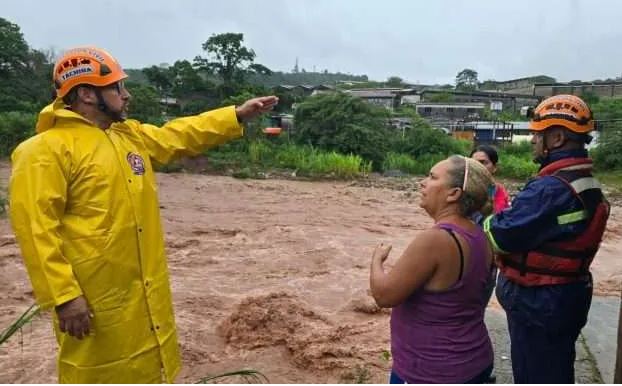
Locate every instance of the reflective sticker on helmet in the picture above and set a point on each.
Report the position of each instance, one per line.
(81, 70)
(88, 51)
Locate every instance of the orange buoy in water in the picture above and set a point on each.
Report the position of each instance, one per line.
(272, 130)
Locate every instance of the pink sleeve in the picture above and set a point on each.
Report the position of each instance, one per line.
(502, 199)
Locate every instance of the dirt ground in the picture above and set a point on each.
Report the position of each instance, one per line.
(266, 274)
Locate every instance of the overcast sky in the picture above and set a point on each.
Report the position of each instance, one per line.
(420, 41)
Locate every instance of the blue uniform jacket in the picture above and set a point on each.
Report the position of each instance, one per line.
(532, 218)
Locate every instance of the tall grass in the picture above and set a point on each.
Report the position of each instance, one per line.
(310, 161)
(305, 160)
(407, 164)
(20, 322)
(259, 152)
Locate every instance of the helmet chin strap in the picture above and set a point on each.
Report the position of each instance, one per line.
(546, 150)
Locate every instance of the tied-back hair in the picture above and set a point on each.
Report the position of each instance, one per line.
(475, 182)
(490, 152)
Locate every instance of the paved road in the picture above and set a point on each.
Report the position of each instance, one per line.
(596, 347)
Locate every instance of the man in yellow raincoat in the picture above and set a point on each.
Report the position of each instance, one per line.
(85, 211)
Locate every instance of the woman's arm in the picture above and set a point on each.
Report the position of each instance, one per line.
(412, 271)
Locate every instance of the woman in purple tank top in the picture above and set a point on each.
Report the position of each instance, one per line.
(437, 287)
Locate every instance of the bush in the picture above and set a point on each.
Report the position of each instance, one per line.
(399, 161)
(607, 155)
(517, 167)
(344, 124)
(421, 141)
(407, 164)
(15, 127)
(522, 149)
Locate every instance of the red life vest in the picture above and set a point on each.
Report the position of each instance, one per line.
(565, 261)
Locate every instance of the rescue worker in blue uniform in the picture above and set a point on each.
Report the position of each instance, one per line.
(546, 242)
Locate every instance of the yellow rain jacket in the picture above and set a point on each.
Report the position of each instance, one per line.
(84, 208)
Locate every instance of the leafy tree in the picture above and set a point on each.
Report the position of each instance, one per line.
(344, 124)
(466, 80)
(145, 105)
(162, 78)
(230, 60)
(182, 81)
(441, 97)
(13, 49)
(422, 139)
(14, 128)
(25, 83)
(186, 79)
(395, 81)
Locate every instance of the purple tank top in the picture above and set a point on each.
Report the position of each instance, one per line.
(440, 337)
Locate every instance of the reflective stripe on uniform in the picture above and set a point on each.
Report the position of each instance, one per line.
(582, 184)
(491, 238)
(572, 217)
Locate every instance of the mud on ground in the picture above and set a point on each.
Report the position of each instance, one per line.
(267, 274)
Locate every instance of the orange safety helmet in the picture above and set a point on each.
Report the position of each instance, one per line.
(568, 111)
(85, 65)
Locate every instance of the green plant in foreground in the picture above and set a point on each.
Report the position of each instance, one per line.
(248, 375)
(24, 319)
(3, 202)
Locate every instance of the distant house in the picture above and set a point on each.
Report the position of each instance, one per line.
(450, 110)
(304, 90)
(322, 89)
(516, 86)
(603, 89)
(400, 123)
(493, 132)
(508, 101)
(387, 98)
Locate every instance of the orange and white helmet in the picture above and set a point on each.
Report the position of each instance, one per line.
(85, 65)
(568, 111)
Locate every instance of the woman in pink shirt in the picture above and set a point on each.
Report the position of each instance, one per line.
(487, 156)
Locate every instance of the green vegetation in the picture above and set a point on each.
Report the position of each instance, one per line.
(3, 203)
(516, 161)
(20, 322)
(249, 158)
(407, 164)
(345, 124)
(519, 167)
(607, 155)
(335, 134)
(15, 126)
